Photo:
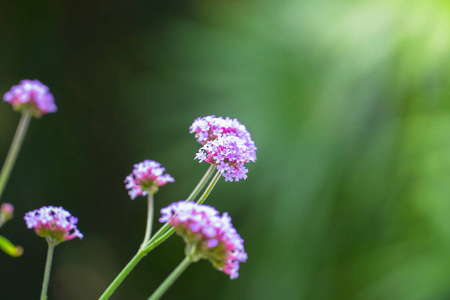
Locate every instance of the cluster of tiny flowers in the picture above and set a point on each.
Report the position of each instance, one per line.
(212, 236)
(228, 154)
(54, 223)
(31, 95)
(147, 176)
(211, 127)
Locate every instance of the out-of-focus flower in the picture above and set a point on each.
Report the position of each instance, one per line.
(9, 248)
(207, 235)
(32, 96)
(146, 178)
(228, 154)
(211, 127)
(6, 213)
(7, 208)
(55, 224)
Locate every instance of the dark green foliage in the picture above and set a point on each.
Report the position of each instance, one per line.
(348, 104)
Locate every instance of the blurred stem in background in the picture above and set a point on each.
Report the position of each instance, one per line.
(6, 214)
(9, 248)
(14, 150)
(162, 234)
(171, 279)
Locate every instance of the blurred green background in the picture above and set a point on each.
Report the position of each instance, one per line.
(348, 103)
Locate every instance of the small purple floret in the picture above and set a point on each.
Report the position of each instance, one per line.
(210, 128)
(32, 96)
(228, 154)
(54, 223)
(212, 236)
(146, 177)
(213, 243)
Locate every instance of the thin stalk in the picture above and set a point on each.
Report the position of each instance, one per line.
(163, 233)
(162, 238)
(191, 197)
(201, 183)
(171, 279)
(113, 286)
(209, 188)
(167, 230)
(14, 150)
(48, 266)
(148, 231)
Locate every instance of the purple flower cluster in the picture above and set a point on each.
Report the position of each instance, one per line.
(207, 235)
(228, 154)
(209, 128)
(31, 95)
(54, 223)
(146, 178)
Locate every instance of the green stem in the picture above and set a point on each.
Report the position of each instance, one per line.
(171, 279)
(209, 188)
(113, 286)
(163, 233)
(14, 150)
(160, 239)
(201, 183)
(167, 230)
(48, 266)
(191, 197)
(148, 231)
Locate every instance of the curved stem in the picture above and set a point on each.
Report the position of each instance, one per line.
(14, 150)
(118, 280)
(163, 233)
(167, 230)
(191, 197)
(171, 279)
(148, 231)
(201, 183)
(159, 240)
(48, 266)
(209, 188)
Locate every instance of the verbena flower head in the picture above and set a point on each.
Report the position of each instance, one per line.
(31, 95)
(55, 224)
(228, 154)
(6, 213)
(211, 127)
(207, 235)
(7, 209)
(146, 178)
